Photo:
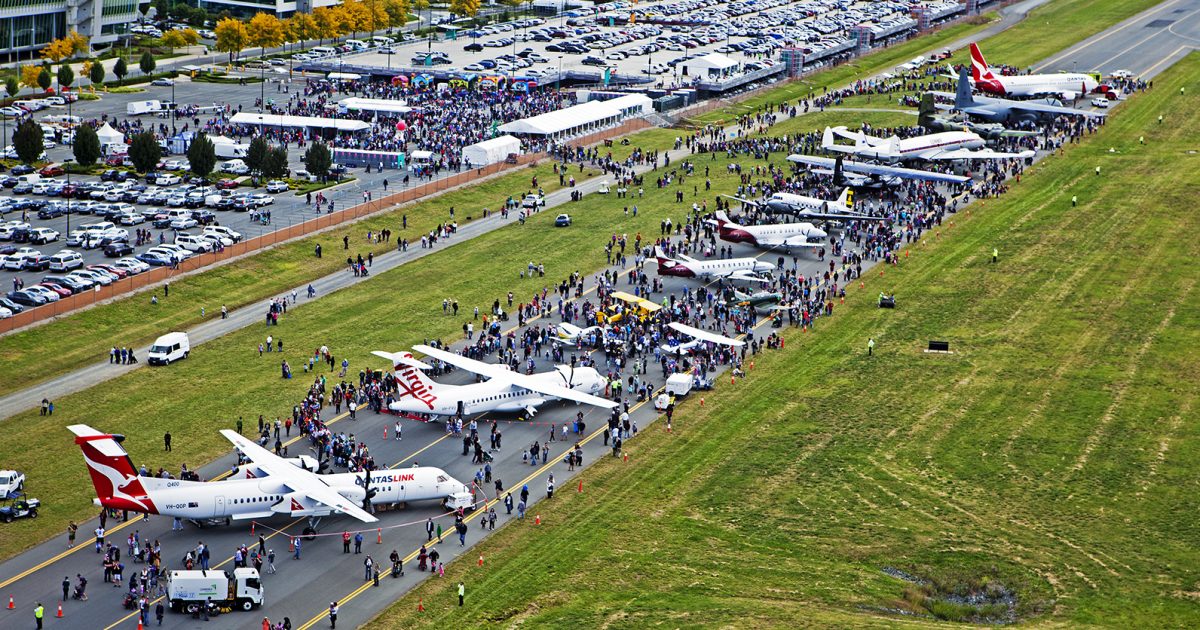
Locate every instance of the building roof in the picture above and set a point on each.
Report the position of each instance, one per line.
(711, 61)
(575, 116)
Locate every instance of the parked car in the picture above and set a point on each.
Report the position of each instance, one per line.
(562, 220)
(118, 249)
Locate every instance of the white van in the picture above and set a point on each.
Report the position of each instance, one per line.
(323, 51)
(65, 260)
(169, 347)
(237, 167)
(380, 40)
(357, 44)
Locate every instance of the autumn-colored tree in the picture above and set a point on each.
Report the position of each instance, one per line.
(397, 12)
(71, 44)
(29, 76)
(468, 8)
(377, 15)
(178, 38)
(353, 16)
(302, 27)
(232, 37)
(328, 22)
(267, 31)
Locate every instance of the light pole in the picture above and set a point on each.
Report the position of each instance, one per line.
(558, 78)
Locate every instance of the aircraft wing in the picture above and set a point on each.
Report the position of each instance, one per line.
(795, 242)
(879, 169)
(704, 335)
(402, 358)
(982, 154)
(297, 479)
(514, 378)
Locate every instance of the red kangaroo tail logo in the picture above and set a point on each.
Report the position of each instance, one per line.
(411, 382)
(113, 475)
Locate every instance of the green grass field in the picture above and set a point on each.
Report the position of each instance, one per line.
(1052, 457)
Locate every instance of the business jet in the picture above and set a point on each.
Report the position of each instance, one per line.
(864, 173)
(811, 208)
(1065, 85)
(745, 269)
(947, 145)
(675, 344)
(786, 236)
(505, 391)
(275, 486)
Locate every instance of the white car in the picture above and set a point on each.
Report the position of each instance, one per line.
(183, 223)
(261, 199)
(99, 278)
(175, 250)
(193, 243)
(215, 239)
(132, 265)
(6, 231)
(167, 179)
(45, 292)
(13, 262)
(41, 235)
(224, 232)
(5, 313)
(1100, 102)
(115, 234)
(131, 218)
(176, 165)
(276, 186)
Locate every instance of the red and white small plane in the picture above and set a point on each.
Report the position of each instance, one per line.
(745, 269)
(268, 486)
(786, 236)
(504, 391)
(1065, 85)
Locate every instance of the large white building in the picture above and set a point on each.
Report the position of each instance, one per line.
(281, 8)
(27, 25)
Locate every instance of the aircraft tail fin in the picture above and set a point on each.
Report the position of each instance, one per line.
(411, 382)
(980, 70)
(962, 95)
(113, 474)
(926, 110)
(845, 200)
(839, 174)
(722, 219)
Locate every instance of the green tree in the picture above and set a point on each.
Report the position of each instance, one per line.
(276, 164)
(45, 80)
(256, 154)
(145, 152)
(66, 76)
(120, 69)
(147, 63)
(12, 86)
(202, 155)
(28, 142)
(318, 160)
(87, 145)
(96, 73)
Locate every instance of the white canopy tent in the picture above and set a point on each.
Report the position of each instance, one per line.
(712, 64)
(298, 122)
(108, 135)
(343, 76)
(580, 119)
(375, 105)
(490, 151)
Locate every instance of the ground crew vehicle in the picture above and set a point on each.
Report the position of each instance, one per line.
(188, 591)
(20, 508)
(169, 347)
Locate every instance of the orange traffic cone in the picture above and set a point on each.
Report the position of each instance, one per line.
(59, 613)
(420, 604)
(291, 544)
(251, 528)
(537, 520)
(140, 624)
(581, 485)
(379, 536)
(480, 559)
(385, 431)
(701, 401)
(862, 285)
(627, 457)
(11, 605)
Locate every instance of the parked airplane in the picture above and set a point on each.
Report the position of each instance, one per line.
(726, 268)
(810, 207)
(698, 337)
(928, 118)
(1065, 85)
(787, 236)
(284, 487)
(760, 301)
(1007, 110)
(947, 145)
(504, 391)
(877, 173)
(571, 335)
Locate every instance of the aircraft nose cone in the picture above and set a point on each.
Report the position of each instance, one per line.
(818, 234)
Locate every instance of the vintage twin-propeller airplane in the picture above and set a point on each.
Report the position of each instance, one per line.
(267, 486)
(947, 145)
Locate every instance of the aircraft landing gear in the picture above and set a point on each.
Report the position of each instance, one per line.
(310, 532)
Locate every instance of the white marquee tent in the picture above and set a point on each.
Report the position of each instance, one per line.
(298, 122)
(108, 135)
(580, 119)
(490, 151)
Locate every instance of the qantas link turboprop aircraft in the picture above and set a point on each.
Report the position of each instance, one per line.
(745, 269)
(786, 236)
(810, 207)
(1065, 85)
(504, 391)
(947, 145)
(284, 487)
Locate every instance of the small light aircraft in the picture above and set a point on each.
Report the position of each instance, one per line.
(786, 236)
(274, 486)
(571, 335)
(504, 391)
(760, 301)
(745, 269)
(947, 145)
(698, 337)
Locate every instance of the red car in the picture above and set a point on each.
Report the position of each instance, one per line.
(64, 292)
(227, 184)
(51, 171)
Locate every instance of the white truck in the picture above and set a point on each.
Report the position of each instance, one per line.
(11, 483)
(143, 107)
(189, 591)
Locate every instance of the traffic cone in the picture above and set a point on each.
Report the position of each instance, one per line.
(379, 536)
(59, 613)
(11, 604)
(626, 457)
(701, 401)
(291, 544)
(420, 604)
(537, 520)
(862, 285)
(251, 528)
(385, 431)
(480, 559)
(581, 486)
(140, 623)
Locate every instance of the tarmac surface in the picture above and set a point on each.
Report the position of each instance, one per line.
(1145, 44)
(302, 589)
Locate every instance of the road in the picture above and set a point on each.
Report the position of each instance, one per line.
(303, 588)
(1145, 44)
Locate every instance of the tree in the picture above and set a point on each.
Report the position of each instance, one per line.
(346, 17)
(145, 152)
(317, 159)
(256, 154)
(267, 31)
(327, 22)
(66, 76)
(468, 8)
(96, 72)
(302, 27)
(45, 80)
(29, 76)
(232, 37)
(178, 38)
(276, 164)
(378, 17)
(202, 155)
(358, 16)
(28, 142)
(87, 145)
(147, 63)
(397, 12)
(120, 69)
(12, 86)
(69, 45)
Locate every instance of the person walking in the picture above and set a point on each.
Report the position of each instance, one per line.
(996, 251)
(429, 529)
(39, 611)
(870, 346)
(66, 584)
(167, 441)
(296, 542)
(368, 564)
(72, 528)
(333, 611)
(462, 594)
